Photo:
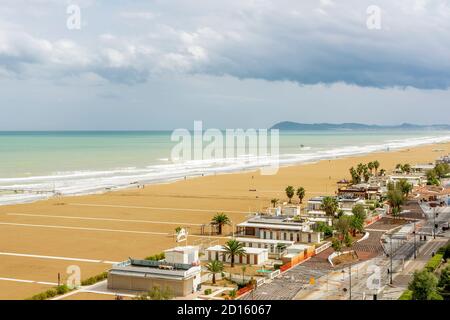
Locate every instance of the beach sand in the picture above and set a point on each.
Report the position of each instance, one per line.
(140, 222)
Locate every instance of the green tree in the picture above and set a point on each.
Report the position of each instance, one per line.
(336, 245)
(442, 169)
(356, 178)
(405, 187)
(221, 219)
(371, 166)
(301, 194)
(396, 199)
(274, 202)
(330, 205)
(356, 224)
(177, 230)
(343, 225)
(348, 240)
(376, 165)
(424, 286)
(290, 191)
(325, 228)
(433, 178)
(360, 211)
(233, 248)
(214, 267)
(444, 283)
(406, 168)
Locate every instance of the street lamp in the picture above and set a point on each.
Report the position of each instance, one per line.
(434, 223)
(390, 256)
(350, 277)
(414, 233)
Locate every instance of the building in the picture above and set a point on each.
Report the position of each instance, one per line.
(179, 271)
(297, 253)
(275, 247)
(415, 179)
(315, 204)
(444, 159)
(347, 205)
(290, 210)
(362, 191)
(279, 228)
(253, 256)
(422, 168)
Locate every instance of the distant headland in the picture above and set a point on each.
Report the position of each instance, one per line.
(295, 126)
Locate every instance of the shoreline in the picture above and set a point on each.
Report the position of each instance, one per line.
(141, 185)
(208, 173)
(138, 223)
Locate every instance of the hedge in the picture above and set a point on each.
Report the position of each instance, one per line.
(406, 295)
(51, 293)
(95, 279)
(434, 262)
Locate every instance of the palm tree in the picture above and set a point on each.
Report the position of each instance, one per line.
(360, 169)
(214, 267)
(376, 165)
(274, 202)
(406, 168)
(233, 248)
(396, 199)
(301, 194)
(405, 187)
(329, 205)
(290, 191)
(355, 177)
(221, 219)
(370, 166)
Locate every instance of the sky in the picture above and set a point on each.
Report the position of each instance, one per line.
(161, 64)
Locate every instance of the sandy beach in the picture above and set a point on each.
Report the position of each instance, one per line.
(39, 240)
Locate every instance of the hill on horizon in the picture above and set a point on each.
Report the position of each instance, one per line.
(290, 125)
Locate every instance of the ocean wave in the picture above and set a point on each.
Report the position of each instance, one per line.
(26, 189)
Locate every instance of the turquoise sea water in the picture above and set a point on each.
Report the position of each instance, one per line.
(85, 162)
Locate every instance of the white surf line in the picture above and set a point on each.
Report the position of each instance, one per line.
(54, 257)
(102, 219)
(100, 229)
(29, 281)
(154, 208)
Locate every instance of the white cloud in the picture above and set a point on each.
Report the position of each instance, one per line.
(305, 42)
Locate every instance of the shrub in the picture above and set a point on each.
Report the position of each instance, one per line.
(277, 266)
(156, 257)
(406, 295)
(434, 262)
(95, 279)
(208, 292)
(62, 289)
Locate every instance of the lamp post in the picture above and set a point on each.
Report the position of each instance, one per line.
(434, 223)
(390, 256)
(414, 233)
(350, 279)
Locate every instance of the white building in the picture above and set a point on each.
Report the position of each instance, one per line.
(180, 271)
(253, 256)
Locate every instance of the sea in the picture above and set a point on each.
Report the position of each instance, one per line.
(39, 165)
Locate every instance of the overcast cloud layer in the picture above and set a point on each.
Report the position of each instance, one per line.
(127, 50)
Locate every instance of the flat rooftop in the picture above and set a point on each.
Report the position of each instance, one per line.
(268, 241)
(274, 226)
(248, 250)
